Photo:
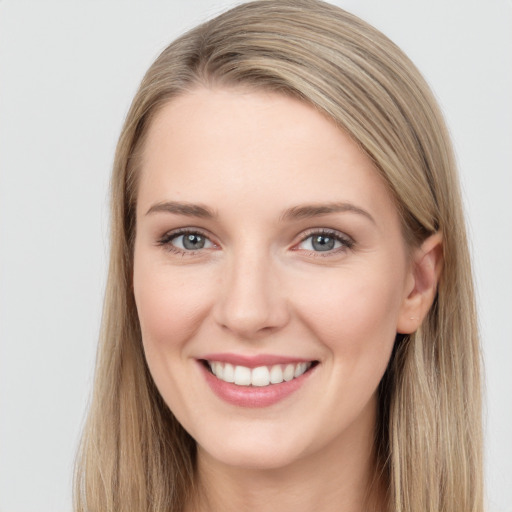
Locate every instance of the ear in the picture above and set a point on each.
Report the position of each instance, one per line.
(421, 286)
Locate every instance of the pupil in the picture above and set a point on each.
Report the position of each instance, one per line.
(193, 241)
(323, 243)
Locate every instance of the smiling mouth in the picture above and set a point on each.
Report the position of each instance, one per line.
(260, 376)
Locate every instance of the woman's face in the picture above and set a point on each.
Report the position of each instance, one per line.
(267, 248)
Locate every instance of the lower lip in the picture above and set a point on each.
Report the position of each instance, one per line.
(253, 396)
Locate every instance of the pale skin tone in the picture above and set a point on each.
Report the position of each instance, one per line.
(256, 178)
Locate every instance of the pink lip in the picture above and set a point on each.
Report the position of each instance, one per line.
(251, 396)
(253, 361)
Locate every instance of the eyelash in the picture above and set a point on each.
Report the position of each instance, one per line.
(345, 241)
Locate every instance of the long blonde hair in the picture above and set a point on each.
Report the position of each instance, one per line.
(134, 455)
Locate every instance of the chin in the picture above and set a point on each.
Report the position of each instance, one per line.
(251, 459)
(256, 452)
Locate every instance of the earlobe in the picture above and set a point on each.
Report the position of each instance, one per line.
(425, 272)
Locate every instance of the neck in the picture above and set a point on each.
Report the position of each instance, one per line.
(341, 476)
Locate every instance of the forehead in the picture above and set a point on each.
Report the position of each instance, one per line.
(253, 148)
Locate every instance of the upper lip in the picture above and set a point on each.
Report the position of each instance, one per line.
(253, 361)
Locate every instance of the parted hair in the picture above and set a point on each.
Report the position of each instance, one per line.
(134, 455)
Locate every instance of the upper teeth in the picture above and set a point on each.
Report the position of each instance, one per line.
(260, 376)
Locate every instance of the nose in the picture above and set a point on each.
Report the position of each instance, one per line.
(252, 300)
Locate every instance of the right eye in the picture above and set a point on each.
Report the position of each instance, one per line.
(186, 242)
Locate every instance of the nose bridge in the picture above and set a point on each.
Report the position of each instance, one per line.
(252, 300)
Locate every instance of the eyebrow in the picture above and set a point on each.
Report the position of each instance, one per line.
(316, 210)
(294, 213)
(187, 209)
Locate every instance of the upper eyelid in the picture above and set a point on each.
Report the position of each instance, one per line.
(174, 233)
(326, 231)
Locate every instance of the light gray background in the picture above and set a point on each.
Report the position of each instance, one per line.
(68, 71)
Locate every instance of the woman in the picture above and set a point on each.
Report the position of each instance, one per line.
(289, 318)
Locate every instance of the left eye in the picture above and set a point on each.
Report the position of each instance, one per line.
(191, 242)
(322, 242)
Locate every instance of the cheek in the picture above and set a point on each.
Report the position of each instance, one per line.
(354, 316)
(170, 305)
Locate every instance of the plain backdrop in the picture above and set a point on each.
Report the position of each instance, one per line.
(68, 71)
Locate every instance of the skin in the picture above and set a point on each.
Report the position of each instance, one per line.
(258, 286)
